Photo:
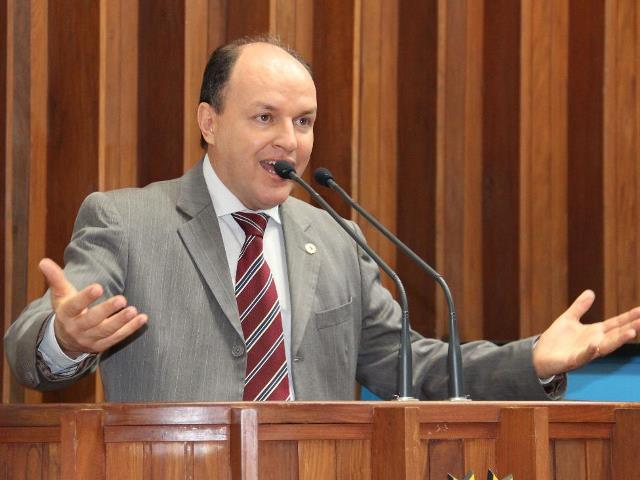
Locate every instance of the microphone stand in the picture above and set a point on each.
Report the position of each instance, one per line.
(405, 368)
(454, 356)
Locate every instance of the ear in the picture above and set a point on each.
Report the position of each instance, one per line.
(207, 121)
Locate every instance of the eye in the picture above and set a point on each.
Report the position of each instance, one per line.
(304, 122)
(264, 117)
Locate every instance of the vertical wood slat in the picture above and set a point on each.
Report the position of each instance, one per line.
(211, 460)
(195, 58)
(278, 460)
(4, 382)
(124, 460)
(445, 457)
(570, 459)
(459, 163)
(118, 117)
(396, 434)
(334, 130)
(82, 445)
(416, 181)
(479, 456)
(353, 459)
(500, 188)
(598, 459)
(522, 446)
(585, 150)
(376, 134)
(316, 459)
(73, 135)
(161, 53)
(543, 257)
(244, 444)
(620, 171)
(624, 454)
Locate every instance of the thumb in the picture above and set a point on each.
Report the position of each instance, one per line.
(582, 304)
(58, 283)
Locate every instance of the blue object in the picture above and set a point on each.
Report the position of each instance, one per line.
(609, 379)
(615, 378)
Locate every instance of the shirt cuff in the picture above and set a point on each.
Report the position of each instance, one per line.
(58, 362)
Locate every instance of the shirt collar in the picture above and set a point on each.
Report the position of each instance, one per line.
(224, 201)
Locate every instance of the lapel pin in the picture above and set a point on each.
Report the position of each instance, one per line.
(310, 248)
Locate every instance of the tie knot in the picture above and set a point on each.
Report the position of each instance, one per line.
(253, 224)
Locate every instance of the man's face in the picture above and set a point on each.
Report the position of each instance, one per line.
(268, 115)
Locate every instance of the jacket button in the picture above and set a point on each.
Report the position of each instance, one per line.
(237, 350)
(298, 358)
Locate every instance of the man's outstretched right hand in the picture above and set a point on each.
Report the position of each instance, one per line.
(82, 329)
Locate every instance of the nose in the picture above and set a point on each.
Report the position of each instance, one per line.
(286, 138)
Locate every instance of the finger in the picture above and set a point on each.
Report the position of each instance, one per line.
(621, 320)
(54, 275)
(76, 304)
(101, 312)
(618, 337)
(582, 304)
(126, 330)
(115, 322)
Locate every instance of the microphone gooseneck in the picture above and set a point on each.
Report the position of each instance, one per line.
(405, 368)
(454, 357)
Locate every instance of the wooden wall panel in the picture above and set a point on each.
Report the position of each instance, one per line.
(118, 114)
(377, 145)
(621, 161)
(543, 153)
(73, 134)
(337, 83)
(459, 163)
(499, 139)
(247, 17)
(161, 90)
(416, 172)
(585, 150)
(3, 164)
(500, 188)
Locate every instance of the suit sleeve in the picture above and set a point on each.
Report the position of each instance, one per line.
(490, 372)
(97, 253)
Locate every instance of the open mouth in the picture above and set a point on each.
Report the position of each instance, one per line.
(269, 166)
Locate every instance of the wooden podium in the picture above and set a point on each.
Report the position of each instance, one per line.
(347, 440)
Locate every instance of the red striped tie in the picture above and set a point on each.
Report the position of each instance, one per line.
(267, 375)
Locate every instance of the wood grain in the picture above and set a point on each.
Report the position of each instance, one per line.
(623, 450)
(353, 459)
(211, 460)
(161, 78)
(416, 162)
(446, 457)
(278, 460)
(522, 447)
(570, 459)
(543, 152)
(316, 459)
(3, 180)
(585, 151)
(124, 460)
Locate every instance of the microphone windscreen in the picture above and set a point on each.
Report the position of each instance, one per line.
(322, 176)
(284, 169)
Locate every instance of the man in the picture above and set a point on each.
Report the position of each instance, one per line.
(187, 256)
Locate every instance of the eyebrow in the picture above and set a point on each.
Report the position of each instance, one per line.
(271, 108)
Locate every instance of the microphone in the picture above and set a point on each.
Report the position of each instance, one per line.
(454, 357)
(405, 369)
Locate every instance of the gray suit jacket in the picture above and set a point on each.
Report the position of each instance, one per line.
(160, 246)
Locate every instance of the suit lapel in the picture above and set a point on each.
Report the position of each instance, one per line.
(203, 240)
(303, 268)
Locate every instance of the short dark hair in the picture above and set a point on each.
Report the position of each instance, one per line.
(220, 65)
